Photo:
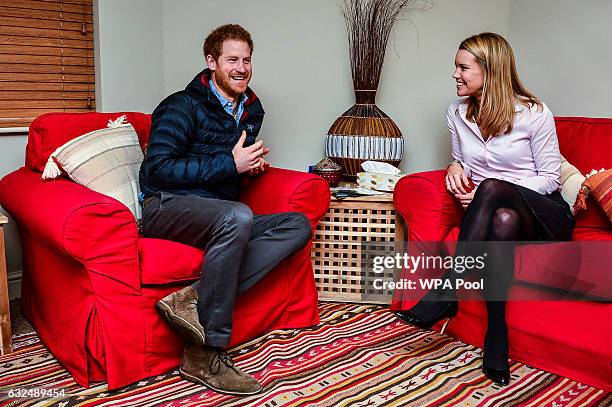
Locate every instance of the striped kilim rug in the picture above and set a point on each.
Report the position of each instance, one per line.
(360, 355)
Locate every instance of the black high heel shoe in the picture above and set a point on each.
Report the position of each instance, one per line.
(447, 311)
(497, 376)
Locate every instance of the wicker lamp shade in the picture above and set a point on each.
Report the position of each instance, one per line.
(362, 133)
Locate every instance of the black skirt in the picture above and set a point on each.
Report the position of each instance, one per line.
(553, 215)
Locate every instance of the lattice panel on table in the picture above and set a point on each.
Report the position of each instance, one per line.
(339, 250)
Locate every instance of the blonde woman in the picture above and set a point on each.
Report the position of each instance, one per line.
(504, 139)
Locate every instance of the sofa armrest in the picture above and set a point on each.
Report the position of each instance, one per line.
(427, 207)
(281, 190)
(72, 220)
(431, 212)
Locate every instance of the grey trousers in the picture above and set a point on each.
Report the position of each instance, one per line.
(240, 248)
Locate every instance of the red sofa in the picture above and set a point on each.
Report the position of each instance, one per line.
(570, 338)
(90, 281)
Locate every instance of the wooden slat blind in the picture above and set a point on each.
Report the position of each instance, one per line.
(46, 59)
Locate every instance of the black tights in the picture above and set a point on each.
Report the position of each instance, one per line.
(497, 213)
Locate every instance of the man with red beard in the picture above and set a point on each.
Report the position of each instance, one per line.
(203, 140)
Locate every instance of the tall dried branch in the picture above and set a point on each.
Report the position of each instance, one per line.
(369, 24)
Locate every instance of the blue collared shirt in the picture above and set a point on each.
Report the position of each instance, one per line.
(228, 105)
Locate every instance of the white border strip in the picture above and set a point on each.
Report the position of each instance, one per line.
(13, 130)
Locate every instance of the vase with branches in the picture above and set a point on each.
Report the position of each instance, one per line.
(364, 132)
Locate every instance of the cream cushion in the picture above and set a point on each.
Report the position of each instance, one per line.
(571, 181)
(105, 160)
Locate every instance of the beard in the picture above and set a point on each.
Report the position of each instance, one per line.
(224, 83)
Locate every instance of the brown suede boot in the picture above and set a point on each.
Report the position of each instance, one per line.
(215, 369)
(180, 309)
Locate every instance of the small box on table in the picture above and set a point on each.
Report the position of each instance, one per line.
(378, 182)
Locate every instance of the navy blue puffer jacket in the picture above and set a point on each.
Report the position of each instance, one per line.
(191, 141)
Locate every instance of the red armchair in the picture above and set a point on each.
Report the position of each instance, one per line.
(571, 338)
(90, 281)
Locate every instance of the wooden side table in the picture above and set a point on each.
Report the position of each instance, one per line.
(6, 337)
(340, 241)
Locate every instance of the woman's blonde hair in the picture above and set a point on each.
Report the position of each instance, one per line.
(502, 87)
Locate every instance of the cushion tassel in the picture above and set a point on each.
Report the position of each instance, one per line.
(580, 203)
(118, 122)
(51, 170)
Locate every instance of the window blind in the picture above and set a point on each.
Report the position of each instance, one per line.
(46, 59)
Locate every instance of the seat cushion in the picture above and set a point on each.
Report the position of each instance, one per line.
(582, 233)
(579, 266)
(166, 262)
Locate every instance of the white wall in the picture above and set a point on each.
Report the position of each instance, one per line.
(564, 53)
(129, 55)
(302, 73)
